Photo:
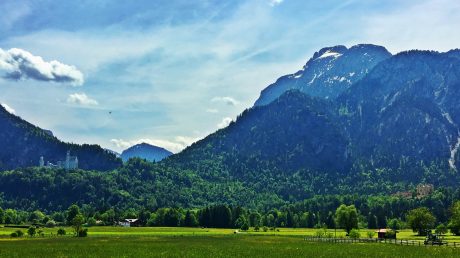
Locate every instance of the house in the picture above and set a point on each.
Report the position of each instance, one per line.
(129, 223)
(385, 233)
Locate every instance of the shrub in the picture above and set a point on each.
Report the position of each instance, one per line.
(82, 233)
(61, 232)
(256, 228)
(320, 233)
(354, 233)
(370, 234)
(32, 231)
(19, 233)
(391, 234)
(14, 234)
(50, 224)
(265, 229)
(454, 229)
(245, 226)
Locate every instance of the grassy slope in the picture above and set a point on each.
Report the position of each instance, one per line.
(183, 231)
(194, 242)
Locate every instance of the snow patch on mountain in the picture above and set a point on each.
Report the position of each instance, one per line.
(329, 53)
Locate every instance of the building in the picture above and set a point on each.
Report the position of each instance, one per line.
(424, 190)
(385, 233)
(129, 223)
(70, 162)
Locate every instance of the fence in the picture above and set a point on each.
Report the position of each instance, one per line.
(376, 240)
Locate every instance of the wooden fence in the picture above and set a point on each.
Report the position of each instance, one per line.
(376, 240)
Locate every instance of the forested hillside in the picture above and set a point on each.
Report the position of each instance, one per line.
(22, 145)
(387, 133)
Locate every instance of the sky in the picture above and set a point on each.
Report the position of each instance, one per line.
(170, 72)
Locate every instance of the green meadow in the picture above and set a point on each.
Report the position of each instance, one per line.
(197, 242)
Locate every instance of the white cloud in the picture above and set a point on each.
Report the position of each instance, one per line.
(18, 64)
(212, 110)
(179, 143)
(227, 100)
(8, 108)
(224, 123)
(275, 2)
(81, 99)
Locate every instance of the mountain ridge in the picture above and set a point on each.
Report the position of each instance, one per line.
(328, 73)
(145, 151)
(24, 143)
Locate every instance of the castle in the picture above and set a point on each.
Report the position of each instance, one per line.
(70, 163)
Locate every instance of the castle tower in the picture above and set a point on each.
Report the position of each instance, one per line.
(67, 160)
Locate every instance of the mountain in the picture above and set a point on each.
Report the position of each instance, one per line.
(293, 132)
(23, 144)
(398, 126)
(145, 151)
(113, 152)
(408, 106)
(395, 128)
(328, 73)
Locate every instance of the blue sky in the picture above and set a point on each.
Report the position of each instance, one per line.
(171, 72)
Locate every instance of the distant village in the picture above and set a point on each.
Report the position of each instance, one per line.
(70, 162)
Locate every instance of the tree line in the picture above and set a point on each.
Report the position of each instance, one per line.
(345, 217)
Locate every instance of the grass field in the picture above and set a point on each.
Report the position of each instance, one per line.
(197, 242)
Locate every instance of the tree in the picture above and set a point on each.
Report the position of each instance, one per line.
(241, 223)
(11, 216)
(31, 231)
(454, 223)
(91, 222)
(36, 216)
(77, 223)
(72, 212)
(254, 219)
(172, 218)
(371, 221)
(330, 223)
(441, 229)
(420, 220)
(245, 226)
(61, 232)
(270, 220)
(190, 219)
(346, 217)
(143, 217)
(395, 224)
(2, 216)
